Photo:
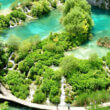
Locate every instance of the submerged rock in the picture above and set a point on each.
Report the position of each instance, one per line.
(104, 42)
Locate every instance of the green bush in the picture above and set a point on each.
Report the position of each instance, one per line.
(39, 97)
(54, 91)
(37, 11)
(69, 64)
(55, 99)
(17, 83)
(41, 8)
(4, 106)
(68, 100)
(10, 64)
(37, 69)
(38, 80)
(54, 3)
(4, 22)
(22, 67)
(18, 14)
(62, 1)
(95, 61)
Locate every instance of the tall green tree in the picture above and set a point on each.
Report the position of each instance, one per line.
(77, 19)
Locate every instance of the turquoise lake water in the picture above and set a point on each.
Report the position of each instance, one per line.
(6, 3)
(42, 27)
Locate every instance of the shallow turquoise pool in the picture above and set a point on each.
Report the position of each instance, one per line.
(101, 28)
(6, 3)
(42, 27)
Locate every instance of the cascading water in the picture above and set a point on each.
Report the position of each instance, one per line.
(62, 99)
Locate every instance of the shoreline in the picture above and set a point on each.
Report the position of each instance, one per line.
(5, 11)
(29, 18)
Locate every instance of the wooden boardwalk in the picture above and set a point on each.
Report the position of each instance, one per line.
(37, 106)
(6, 95)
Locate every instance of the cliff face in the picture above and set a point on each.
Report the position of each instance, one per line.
(105, 4)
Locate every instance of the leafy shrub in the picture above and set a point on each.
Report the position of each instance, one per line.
(17, 83)
(54, 3)
(18, 14)
(10, 64)
(39, 97)
(4, 22)
(95, 61)
(41, 8)
(55, 99)
(4, 106)
(69, 64)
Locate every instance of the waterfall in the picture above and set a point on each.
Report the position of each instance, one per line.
(12, 61)
(20, 21)
(14, 22)
(27, 9)
(62, 99)
(32, 92)
(29, 17)
(48, 101)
